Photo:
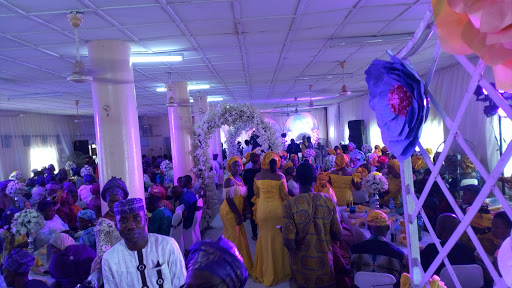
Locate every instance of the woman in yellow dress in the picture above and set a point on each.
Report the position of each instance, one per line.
(271, 263)
(394, 184)
(342, 181)
(232, 210)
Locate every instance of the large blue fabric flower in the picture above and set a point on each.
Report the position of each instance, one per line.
(398, 97)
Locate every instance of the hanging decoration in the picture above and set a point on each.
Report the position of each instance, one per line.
(398, 97)
(239, 118)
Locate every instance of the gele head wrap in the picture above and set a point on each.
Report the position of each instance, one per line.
(220, 258)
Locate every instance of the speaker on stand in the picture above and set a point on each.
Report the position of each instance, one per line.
(81, 146)
(357, 133)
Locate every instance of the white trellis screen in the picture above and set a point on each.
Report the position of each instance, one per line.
(413, 205)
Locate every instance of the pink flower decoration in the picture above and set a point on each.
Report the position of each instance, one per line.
(400, 100)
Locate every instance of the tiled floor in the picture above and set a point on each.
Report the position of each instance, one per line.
(214, 233)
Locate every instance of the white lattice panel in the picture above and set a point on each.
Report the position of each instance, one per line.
(413, 205)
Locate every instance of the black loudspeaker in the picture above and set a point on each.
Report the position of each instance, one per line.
(357, 133)
(81, 146)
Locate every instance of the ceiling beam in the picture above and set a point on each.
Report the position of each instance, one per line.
(194, 44)
(360, 3)
(284, 49)
(53, 27)
(241, 44)
(123, 30)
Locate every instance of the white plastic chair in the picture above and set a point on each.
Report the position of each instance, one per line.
(374, 280)
(469, 276)
(193, 234)
(177, 227)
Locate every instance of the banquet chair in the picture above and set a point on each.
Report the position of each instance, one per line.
(374, 280)
(193, 235)
(177, 227)
(470, 276)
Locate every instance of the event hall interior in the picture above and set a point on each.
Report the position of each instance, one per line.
(332, 143)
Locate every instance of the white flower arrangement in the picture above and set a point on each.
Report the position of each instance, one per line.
(329, 162)
(15, 188)
(26, 222)
(70, 165)
(239, 118)
(86, 170)
(16, 176)
(375, 183)
(166, 166)
(309, 153)
(367, 149)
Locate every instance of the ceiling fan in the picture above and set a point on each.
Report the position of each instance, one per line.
(79, 74)
(77, 117)
(344, 89)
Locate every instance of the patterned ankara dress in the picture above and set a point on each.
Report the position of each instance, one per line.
(310, 220)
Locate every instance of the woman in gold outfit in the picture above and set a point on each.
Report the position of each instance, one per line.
(342, 181)
(232, 210)
(271, 264)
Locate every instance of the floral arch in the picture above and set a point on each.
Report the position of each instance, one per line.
(239, 118)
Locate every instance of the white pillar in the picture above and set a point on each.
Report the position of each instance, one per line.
(180, 124)
(115, 115)
(215, 142)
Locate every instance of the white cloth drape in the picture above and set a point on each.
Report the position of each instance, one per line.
(448, 87)
(37, 140)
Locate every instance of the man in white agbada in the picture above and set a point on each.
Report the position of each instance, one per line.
(141, 259)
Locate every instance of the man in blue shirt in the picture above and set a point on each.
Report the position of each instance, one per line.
(189, 199)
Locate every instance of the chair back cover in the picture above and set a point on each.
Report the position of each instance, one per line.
(374, 279)
(177, 227)
(192, 235)
(470, 276)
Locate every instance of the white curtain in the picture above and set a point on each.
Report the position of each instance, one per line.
(448, 87)
(36, 140)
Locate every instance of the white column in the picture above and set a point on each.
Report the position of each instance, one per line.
(115, 115)
(180, 124)
(215, 142)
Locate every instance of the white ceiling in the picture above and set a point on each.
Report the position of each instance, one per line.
(247, 50)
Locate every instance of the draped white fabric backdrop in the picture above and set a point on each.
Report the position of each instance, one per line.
(36, 140)
(448, 87)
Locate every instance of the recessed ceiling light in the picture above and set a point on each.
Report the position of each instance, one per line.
(159, 57)
(215, 99)
(190, 87)
(198, 87)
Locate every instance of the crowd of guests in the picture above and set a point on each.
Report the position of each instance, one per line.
(292, 206)
(286, 192)
(128, 244)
